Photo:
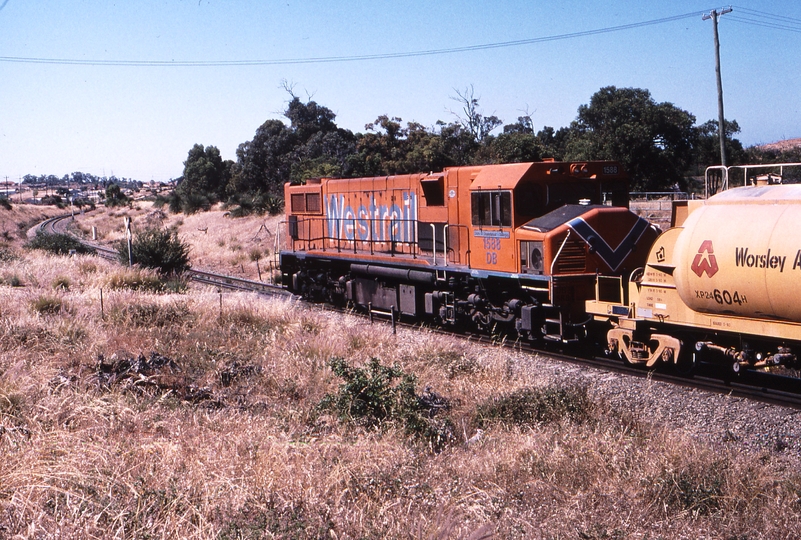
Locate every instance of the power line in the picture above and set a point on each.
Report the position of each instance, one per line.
(765, 24)
(782, 18)
(766, 20)
(333, 59)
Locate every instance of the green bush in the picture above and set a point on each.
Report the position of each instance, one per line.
(537, 405)
(377, 397)
(5, 203)
(115, 196)
(59, 244)
(53, 200)
(192, 203)
(160, 249)
(188, 203)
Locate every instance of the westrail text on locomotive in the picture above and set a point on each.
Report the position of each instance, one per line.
(743, 257)
(375, 222)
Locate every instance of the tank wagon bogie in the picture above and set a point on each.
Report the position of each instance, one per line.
(512, 247)
(721, 286)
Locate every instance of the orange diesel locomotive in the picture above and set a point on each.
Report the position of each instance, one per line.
(509, 247)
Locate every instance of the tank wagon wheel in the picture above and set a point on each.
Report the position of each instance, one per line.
(687, 361)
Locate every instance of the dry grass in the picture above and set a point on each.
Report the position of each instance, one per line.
(14, 223)
(242, 247)
(222, 438)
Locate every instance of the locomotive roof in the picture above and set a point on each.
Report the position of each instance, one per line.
(503, 176)
(558, 217)
(775, 194)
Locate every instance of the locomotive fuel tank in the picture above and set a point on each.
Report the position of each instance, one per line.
(740, 254)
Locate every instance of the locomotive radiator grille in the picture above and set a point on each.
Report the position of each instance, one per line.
(572, 259)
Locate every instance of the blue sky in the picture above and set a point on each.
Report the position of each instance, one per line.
(139, 121)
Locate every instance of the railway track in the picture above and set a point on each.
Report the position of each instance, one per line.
(59, 225)
(750, 384)
(759, 386)
(53, 225)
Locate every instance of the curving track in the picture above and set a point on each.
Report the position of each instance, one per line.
(60, 224)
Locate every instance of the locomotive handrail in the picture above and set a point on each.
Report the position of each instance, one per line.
(434, 242)
(303, 234)
(467, 236)
(559, 251)
(745, 169)
(326, 238)
(674, 195)
(444, 243)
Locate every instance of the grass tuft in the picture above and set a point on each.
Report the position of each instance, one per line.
(697, 486)
(134, 279)
(150, 314)
(529, 406)
(47, 305)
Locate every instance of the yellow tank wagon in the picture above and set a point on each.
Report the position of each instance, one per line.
(723, 284)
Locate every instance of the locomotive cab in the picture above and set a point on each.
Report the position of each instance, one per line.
(504, 200)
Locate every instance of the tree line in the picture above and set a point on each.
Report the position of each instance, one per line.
(659, 144)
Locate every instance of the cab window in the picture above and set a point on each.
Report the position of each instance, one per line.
(491, 208)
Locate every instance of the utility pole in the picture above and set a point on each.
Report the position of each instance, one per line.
(721, 127)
